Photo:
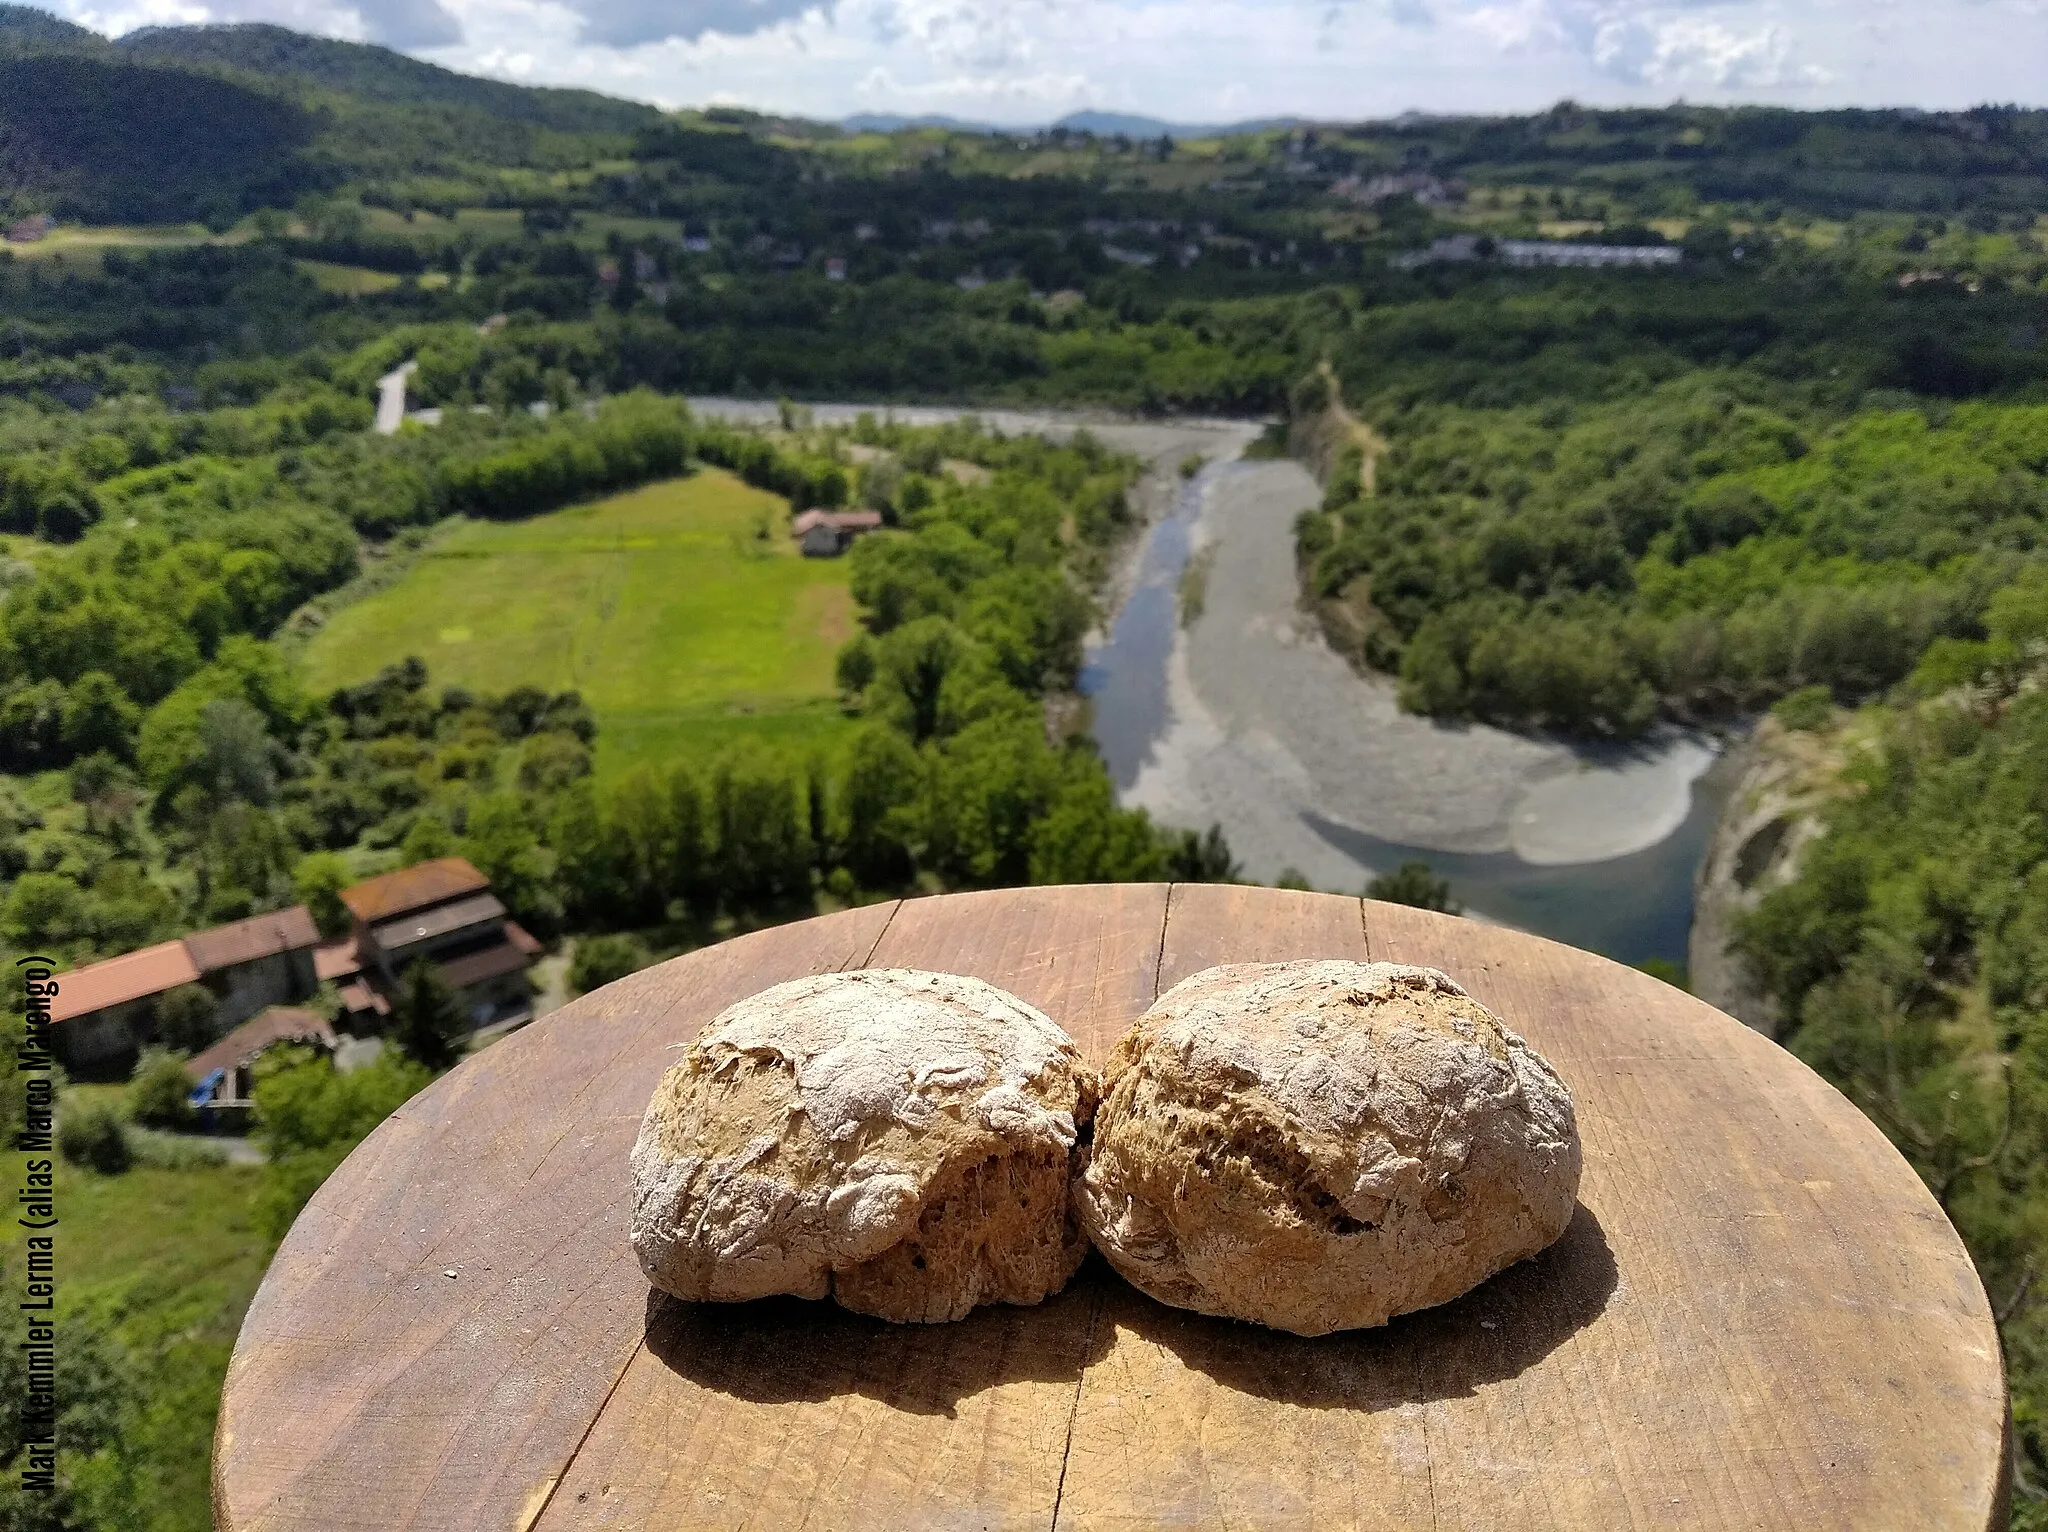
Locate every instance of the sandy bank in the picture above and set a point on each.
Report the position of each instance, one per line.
(1267, 726)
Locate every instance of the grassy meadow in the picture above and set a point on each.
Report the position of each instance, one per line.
(681, 611)
(166, 1261)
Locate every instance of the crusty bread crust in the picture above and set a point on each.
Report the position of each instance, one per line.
(1321, 1146)
(901, 1141)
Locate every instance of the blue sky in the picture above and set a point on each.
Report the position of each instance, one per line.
(1028, 61)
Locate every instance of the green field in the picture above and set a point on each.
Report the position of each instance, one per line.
(166, 1262)
(681, 611)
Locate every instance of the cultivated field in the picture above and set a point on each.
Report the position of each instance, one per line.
(681, 611)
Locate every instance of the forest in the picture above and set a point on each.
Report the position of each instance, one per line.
(1803, 470)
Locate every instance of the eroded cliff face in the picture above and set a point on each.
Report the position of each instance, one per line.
(1785, 778)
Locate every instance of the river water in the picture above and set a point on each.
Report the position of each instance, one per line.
(1245, 718)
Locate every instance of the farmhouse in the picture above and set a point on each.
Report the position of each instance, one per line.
(221, 1076)
(442, 912)
(29, 230)
(107, 1012)
(827, 534)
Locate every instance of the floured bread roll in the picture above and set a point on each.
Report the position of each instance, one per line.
(902, 1141)
(1321, 1146)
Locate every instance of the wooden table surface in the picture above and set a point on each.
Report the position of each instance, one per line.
(1760, 1317)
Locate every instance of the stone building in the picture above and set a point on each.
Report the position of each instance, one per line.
(442, 912)
(106, 1013)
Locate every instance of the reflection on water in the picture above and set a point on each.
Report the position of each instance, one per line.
(1124, 677)
(1630, 907)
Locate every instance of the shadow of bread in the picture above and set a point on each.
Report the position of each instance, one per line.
(790, 1350)
(1501, 1328)
(785, 1350)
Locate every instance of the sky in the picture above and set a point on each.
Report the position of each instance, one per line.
(1192, 61)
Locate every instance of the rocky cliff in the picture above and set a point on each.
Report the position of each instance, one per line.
(1784, 779)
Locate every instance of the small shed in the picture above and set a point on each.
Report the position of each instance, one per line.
(822, 541)
(221, 1075)
(823, 534)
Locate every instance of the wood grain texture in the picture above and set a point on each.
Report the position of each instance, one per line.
(901, 1425)
(1759, 1318)
(367, 1389)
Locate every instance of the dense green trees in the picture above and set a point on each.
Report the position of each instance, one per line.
(1910, 958)
(1691, 550)
(310, 1115)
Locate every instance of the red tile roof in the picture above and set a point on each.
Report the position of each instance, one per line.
(336, 959)
(359, 997)
(491, 963)
(132, 976)
(267, 1028)
(245, 941)
(413, 888)
(841, 521)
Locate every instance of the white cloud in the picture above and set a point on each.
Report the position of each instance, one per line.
(627, 23)
(1690, 52)
(1195, 60)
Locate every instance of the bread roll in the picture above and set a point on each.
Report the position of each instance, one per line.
(1320, 1146)
(901, 1141)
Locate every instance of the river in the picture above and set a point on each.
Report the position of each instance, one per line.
(1246, 718)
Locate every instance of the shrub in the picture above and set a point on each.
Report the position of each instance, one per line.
(1413, 883)
(95, 1137)
(187, 1018)
(426, 1024)
(159, 1091)
(318, 881)
(1807, 709)
(601, 959)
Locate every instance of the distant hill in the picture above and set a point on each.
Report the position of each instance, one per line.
(1102, 124)
(896, 122)
(371, 73)
(1109, 124)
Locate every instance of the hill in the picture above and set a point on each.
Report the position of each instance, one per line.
(101, 140)
(203, 124)
(1102, 124)
(371, 73)
(22, 27)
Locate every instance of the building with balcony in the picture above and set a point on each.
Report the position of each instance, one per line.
(443, 913)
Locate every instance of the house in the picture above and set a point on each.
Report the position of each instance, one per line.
(825, 534)
(29, 230)
(441, 912)
(1538, 252)
(262, 961)
(105, 1013)
(222, 1075)
(1545, 252)
(1418, 185)
(835, 268)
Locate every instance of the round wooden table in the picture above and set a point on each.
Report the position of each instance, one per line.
(1760, 1317)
